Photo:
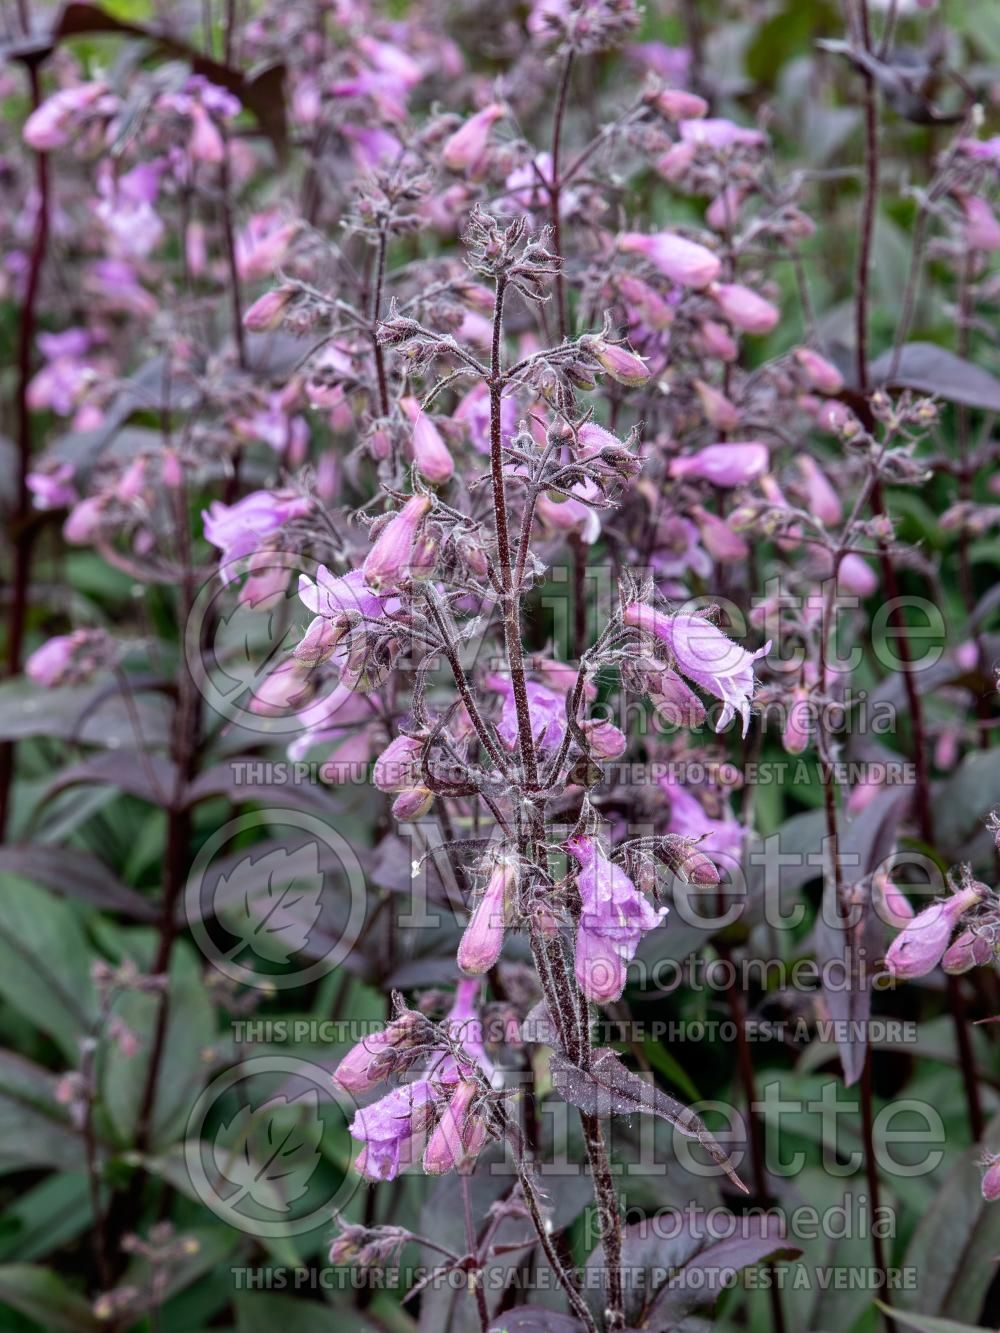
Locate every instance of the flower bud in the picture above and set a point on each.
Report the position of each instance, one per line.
(982, 230)
(398, 766)
(458, 1135)
(855, 575)
(722, 212)
(744, 308)
(682, 261)
(605, 740)
(388, 562)
(991, 1178)
(920, 946)
(821, 374)
(719, 411)
(467, 145)
(716, 340)
(676, 161)
(412, 803)
(285, 690)
(795, 737)
(268, 311)
(723, 544)
(620, 363)
(678, 104)
(483, 937)
(431, 455)
(969, 949)
(322, 638)
(821, 499)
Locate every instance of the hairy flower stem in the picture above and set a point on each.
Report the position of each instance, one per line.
(610, 1218)
(576, 1301)
(511, 592)
(737, 1012)
(21, 526)
(555, 187)
(376, 314)
(871, 1174)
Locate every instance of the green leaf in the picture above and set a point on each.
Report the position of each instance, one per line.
(265, 1311)
(42, 1295)
(190, 1031)
(45, 962)
(956, 1242)
(924, 1323)
(46, 1217)
(34, 1129)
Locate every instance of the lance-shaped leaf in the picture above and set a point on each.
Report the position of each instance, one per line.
(267, 1152)
(608, 1088)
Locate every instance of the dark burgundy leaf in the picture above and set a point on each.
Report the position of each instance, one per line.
(608, 1088)
(76, 874)
(927, 368)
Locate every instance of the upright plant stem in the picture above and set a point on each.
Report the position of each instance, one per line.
(555, 188)
(21, 526)
(470, 1241)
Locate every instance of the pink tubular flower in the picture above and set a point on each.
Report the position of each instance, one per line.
(724, 209)
(52, 488)
(705, 655)
(991, 1177)
(678, 104)
(412, 803)
(744, 308)
(370, 1061)
(268, 311)
(682, 261)
(722, 544)
(68, 659)
(674, 702)
(459, 1135)
(798, 723)
(855, 575)
(982, 230)
(722, 837)
(718, 132)
(52, 124)
(619, 362)
(263, 245)
(239, 529)
(391, 561)
(393, 1129)
(483, 937)
(734, 464)
(820, 374)
(614, 917)
(431, 456)
(820, 497)
(465, 148)
(920, 946)
(606, 741)
(969, 949)
(398, 766)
